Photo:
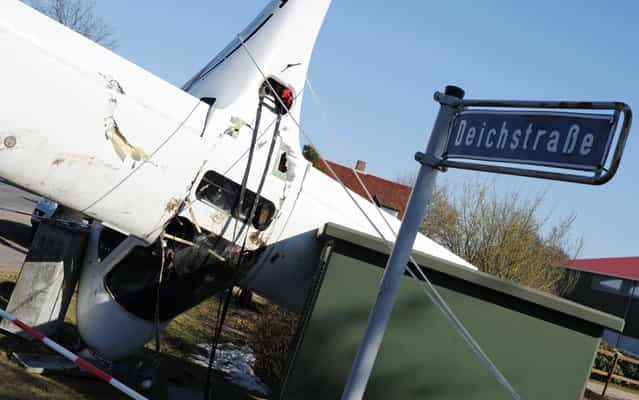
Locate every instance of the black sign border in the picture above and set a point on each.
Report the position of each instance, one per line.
(611, 133)
(598, 178)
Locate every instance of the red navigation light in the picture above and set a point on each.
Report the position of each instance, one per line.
(281, 95)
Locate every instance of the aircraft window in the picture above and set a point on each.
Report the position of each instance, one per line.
(282, 166)
(221, 192)
(217, 195)
(263, 215)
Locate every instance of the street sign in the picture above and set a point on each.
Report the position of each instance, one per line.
(552, 139)
(539, 139)
(397, 262)
(536, 137)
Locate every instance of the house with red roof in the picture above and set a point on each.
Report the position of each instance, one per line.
(610, 285)
(391, 196)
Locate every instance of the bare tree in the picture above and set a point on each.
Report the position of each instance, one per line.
(504, 235)
(78, 15)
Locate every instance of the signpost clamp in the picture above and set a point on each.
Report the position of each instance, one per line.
(429, 160)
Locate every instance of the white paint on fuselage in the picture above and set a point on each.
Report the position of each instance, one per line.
(60, 95)
(55, 99)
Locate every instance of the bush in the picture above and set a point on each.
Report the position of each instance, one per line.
(312, 155)
(623, 368)
(604, 362)
(504, 235)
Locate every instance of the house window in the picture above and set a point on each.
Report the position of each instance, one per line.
(608, 285)
(392, 212)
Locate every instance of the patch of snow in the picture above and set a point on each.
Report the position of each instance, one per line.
(235, 362)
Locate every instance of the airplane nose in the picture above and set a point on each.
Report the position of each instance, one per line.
(104, 325)
(117, 300)
(107, 327)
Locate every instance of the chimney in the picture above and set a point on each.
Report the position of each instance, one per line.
(360, 165)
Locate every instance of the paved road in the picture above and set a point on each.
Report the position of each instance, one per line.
(14, 227)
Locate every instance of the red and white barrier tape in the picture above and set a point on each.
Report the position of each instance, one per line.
(80, 362)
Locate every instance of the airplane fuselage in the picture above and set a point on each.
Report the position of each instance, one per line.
(149, 161)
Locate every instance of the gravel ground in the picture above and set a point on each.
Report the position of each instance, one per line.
(612, 393)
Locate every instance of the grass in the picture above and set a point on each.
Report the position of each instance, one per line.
(18, 384)
(178, 341)
(8, 276)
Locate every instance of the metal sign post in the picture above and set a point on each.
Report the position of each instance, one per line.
(403, 248)
(485, 137)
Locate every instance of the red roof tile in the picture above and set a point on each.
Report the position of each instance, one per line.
(623, 267)
(389, 194)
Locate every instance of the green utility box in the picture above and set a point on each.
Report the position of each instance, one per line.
(543, 344)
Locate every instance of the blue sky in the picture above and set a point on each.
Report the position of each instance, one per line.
(377, 64)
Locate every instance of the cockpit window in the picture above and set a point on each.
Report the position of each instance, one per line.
(223, 193)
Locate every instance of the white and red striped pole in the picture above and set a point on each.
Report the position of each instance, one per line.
(80, 362)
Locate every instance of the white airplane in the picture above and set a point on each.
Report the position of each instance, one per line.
(217, 162)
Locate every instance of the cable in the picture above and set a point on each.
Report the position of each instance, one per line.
(137, 168)
(276, 134)
(234, 163)
(237, 209)
(216, 338)
(15, 211)
(157, 298)
(220, 322)
(436, 298)
(221, 318)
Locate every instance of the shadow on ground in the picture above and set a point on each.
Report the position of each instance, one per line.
(14, 233)
(590, 395)
(177, 377)
(6, 288)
